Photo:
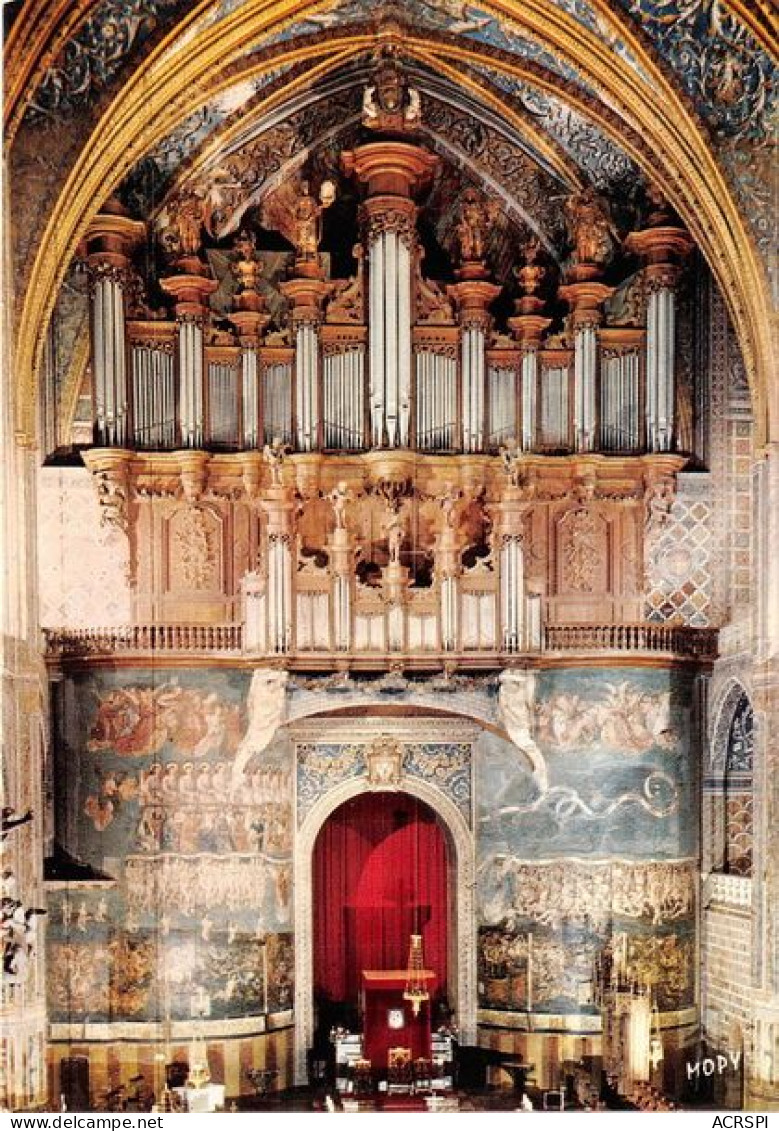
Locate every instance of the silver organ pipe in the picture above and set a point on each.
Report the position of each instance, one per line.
(279, 594)
(529, 388)
(620, 425)
(251, 398)
(584, 379)
(512, 594)
(154, 416)
(190, 340)
(277, 401)
(343, 385)
(449, 606)
(342, 613)
(223, 402)
(376, 334)
(436, 401)
(307, 386)
(660, 364)
(109, 347)
(389, 310)
(473, 344)
(502, 404)
(554, 407)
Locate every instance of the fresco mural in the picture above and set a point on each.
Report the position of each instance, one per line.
(607, 850)
(201, 859)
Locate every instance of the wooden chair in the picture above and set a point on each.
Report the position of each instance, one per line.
(423, 1074)
(400, 1074)
(363, 1078)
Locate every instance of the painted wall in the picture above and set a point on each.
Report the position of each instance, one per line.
(203, 870)
(606, 854)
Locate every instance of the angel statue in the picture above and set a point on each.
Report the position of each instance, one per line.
(472, 227)
(274, 454)
(591, 228)
(339, 497)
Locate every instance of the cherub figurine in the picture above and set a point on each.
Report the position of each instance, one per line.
(449, 501)
(339, 497)
(274, 454)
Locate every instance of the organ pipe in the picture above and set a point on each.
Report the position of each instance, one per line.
(223, 403)
(251, 397)
(529, 386)
(436, 401)
(502, 405)
(389, 312)
(584, 379)
(154, 402)
(109, 356)
(279, 594)
(343, 384)
(277, 402)
(620, 426)
(191, 409)
(307, 386)
(473, 344)
(512, 586)
(660, 362)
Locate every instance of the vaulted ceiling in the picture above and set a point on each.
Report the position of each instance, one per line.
(152, 97)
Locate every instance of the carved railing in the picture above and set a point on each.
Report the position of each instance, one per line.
(139, 638)
(726, 890)
(205, 639)
(697, 643)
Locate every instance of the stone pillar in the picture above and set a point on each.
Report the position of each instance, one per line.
(585, 299)
(111, 237)
(279, 505)
(24, 707)
(191, 293)
(307, 295)
(392, 171)
(662, 249)
(528, 328)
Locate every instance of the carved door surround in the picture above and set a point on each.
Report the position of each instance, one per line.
(392, 732)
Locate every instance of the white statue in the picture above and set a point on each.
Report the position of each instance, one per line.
(266, 706)
(340, 497)
(515, 710)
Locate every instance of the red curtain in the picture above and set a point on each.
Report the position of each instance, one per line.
(380, 872)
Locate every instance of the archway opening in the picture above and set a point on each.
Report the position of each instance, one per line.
(381, 871)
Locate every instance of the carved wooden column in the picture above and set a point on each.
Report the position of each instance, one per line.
(191, 293)
(585, 299)
(662, 249)
(279, 505)
(392, 171)
(307, 295)
(110, 239)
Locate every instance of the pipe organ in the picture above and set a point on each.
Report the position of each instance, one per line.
(388, 359)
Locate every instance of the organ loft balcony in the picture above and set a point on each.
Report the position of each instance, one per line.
(324, 453)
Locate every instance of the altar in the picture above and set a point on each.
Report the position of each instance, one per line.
(389, 1020)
